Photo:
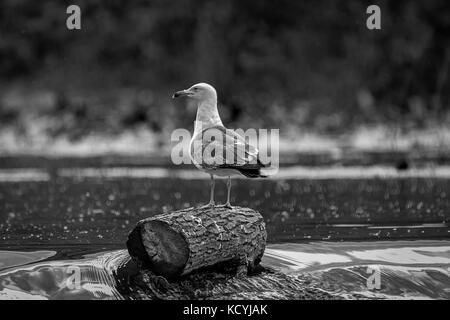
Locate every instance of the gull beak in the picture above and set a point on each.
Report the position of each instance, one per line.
(181, 93)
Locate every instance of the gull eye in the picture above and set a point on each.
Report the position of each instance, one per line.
(195, 89)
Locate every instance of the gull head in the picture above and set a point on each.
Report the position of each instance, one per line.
(199, 91)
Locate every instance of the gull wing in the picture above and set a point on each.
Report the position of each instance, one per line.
(219, 148)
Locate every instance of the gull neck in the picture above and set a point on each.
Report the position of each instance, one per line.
(207, 115)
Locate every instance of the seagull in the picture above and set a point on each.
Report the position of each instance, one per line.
(245, 160)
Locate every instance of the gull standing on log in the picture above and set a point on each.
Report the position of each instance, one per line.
(208, 124)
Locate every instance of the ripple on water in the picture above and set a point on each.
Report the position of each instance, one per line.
(329, 270)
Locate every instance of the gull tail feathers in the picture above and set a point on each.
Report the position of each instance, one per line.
(268, 170)
(262, 171)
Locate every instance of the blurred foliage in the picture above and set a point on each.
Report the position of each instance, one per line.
(276, 63)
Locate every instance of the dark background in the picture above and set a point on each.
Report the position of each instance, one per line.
(294, 65)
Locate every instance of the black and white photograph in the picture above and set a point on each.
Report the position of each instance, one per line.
(224, 155)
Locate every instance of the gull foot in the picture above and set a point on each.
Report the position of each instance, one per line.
(210, 205)
(226, 205)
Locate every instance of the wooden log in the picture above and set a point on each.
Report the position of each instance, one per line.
(177, 243)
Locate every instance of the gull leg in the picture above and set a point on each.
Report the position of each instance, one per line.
(211, 200)
(228, 204)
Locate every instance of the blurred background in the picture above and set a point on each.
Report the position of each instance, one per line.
(312, 69)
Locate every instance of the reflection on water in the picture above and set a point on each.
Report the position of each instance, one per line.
(311, 256)
(407, 270)
(88, 278)
(16, 258)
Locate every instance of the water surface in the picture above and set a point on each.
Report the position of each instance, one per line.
(324, 227)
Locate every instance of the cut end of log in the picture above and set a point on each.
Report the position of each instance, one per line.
(169, 248)
(159, 247)
(177, 243)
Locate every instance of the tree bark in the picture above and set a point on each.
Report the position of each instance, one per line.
(177, 243)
